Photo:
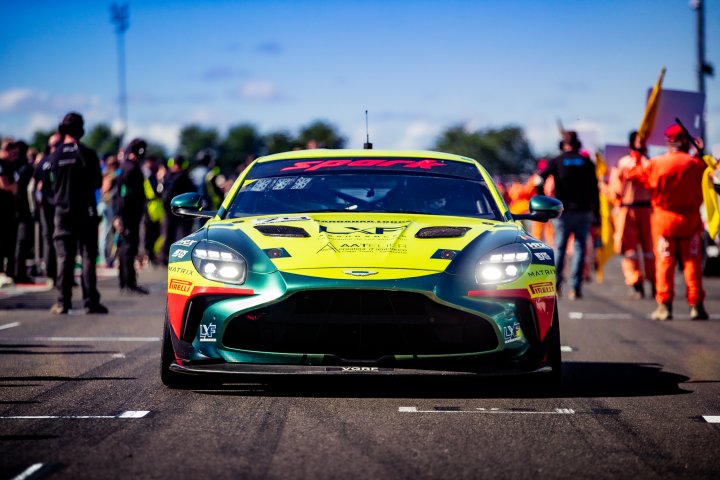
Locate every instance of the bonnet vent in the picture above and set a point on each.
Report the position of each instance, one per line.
(282, 231)
(441, 232)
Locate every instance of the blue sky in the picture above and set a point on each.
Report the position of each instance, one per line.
(418, 66)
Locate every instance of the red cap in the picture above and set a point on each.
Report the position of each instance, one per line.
(674, 133)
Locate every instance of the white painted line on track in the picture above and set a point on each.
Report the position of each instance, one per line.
(567, 349)
(118, 355)
(599, 316)
(712, 418)
(557, 411)
(88, 339)
(9, 325)
(126, 414)
(28, 471)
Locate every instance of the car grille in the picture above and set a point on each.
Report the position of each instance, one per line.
(360, 325)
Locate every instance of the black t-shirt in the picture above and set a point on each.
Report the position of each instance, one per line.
(23, 175)
(7, 171)
(75, 177)
(130, 196)
(576, 184)
(43, 176)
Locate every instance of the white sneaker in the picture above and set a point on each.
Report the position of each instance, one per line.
(6, 281)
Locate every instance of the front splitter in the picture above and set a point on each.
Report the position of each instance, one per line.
(229, 369)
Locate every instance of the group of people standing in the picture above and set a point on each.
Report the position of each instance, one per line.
(657, 216)
(77, 199)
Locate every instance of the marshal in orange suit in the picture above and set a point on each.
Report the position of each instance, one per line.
(675, 180)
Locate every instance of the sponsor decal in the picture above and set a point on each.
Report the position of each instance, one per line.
(360, 273)
(266, 221)
(541, 273)
(313, 165)
(542, 256)
(180, 270)
(399, 248)
(542, 289)
(179, 253)
(512, 333)
(362, 231)
(186, 243)
(181, 286)
(359, 369)
(207, 332)
(536, 245)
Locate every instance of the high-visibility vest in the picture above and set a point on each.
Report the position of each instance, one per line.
(155, 209)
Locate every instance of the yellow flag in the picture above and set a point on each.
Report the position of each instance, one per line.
(710, 198)
(651, 108)
(607, 229)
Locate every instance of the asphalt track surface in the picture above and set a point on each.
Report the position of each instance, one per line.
(80, 397)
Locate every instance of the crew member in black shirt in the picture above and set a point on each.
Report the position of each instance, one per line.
(576, 186)
(129, 208)
(75, 171)
(8, 190)
(45, 188)
(23, 213)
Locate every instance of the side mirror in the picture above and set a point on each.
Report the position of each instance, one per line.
(542, 209)
(190, 205)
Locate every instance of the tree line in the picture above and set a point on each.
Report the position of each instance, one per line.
(503, 151)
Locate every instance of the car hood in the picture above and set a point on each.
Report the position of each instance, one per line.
(365, 244)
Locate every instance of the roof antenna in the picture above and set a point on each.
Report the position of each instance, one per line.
(367, 145)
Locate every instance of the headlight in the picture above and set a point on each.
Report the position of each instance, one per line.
(503, 264)
(215, 261)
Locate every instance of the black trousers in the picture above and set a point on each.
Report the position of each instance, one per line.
(128, 246)
(83, 236)
(47, 227)
(174, 228)
(7, 238)
(24, 247)
(152, 233)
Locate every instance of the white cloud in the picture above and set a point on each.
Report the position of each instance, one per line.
(260, 90)
(30, 101)
(18, 99)
(419, 135)
(165, 134)
(40, 121)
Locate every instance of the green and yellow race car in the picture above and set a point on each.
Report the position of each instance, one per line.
(361, 262)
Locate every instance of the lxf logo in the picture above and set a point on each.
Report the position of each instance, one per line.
(181, 286)
(544, 288)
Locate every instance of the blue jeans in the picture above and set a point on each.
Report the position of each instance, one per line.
(578, 224)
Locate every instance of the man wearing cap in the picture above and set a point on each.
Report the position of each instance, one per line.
(576, 186)
(632, 220)
(75, 173)
(674, 180)
(129, 209)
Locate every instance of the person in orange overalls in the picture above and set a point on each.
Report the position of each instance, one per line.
(632, 219)
(543, 231)
(674, 180)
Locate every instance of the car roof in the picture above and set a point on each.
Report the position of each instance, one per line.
(363, 153)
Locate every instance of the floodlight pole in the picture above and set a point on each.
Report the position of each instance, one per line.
(120, 17)
(703, 68)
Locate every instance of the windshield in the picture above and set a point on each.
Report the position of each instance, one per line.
(369, 191)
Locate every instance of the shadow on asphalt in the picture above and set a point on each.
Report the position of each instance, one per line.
(580, 380)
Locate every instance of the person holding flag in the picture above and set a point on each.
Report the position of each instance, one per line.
(674, 180)
(632, 219)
